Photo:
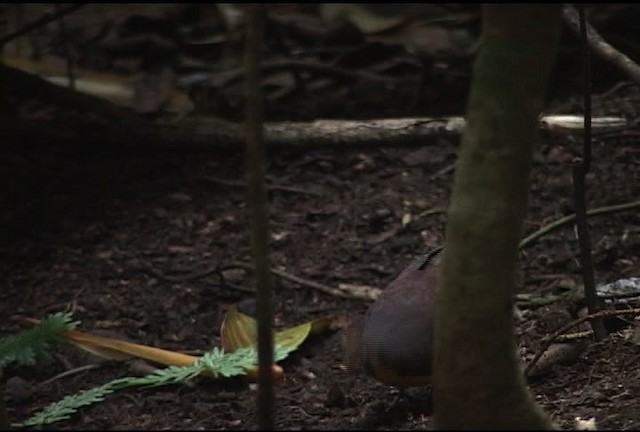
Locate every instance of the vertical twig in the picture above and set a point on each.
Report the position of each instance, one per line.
(274, 31)
(586, 71)
(601, 47)
(65, 49)
(257, 205)
(580, 169)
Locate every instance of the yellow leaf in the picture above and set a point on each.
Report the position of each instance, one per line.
(293, 337)
(240, 330)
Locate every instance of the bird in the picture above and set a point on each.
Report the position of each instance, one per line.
(393, 341)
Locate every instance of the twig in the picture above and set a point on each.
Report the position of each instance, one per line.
(584, 242)
(342, 294)
(304, 282)
(527, 241)
(585, 164)
(428, 212)
(581, 167)
(66, 51)
(44, 20)
(568, 337)
(186, 278)
(446, 170)
(66, 374)
(270, 187)
(215, 134)
(201, 133)
(601, 47)
(550, 339)
(284, 275)
(390, 233)
(257, 212)
(198, 275)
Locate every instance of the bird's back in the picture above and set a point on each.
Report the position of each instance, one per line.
(393, 342)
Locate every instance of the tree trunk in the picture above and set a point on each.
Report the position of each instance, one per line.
(478, 379)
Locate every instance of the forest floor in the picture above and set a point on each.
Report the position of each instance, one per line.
(113, 237)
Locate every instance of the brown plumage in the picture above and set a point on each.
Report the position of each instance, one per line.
(394, 340)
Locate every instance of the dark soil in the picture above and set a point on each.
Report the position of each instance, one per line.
(112, 236)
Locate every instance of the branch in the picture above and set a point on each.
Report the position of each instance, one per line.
(601, 47)
(580, 168)
(44, 20)
(550, 339)
(307, 283)
(208, 133)
(526, 242)
(214, 134)
(258, 212)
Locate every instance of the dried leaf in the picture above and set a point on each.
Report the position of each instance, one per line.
(146, 95)
(560, 353)
(365, 20)
(366, 292)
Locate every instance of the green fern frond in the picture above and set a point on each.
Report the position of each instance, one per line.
(229, 364)
(166, 376)
(29, 346)
(64, 408)
(216, 361)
